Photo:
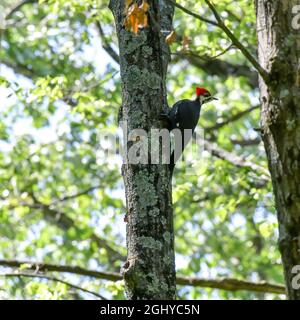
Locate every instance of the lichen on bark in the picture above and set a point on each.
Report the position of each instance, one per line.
(149, 271)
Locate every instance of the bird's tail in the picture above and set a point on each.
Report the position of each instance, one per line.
(172, 164)
(173, 160)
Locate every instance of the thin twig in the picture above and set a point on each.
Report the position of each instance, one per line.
(76, 195)
(205, 58)
(106, 45)
(44, 276)
(222, 52)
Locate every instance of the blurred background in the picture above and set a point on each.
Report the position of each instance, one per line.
(62, 201)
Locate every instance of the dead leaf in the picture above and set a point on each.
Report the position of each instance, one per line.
(170, 38)
(127, 5)
(136, 16)
(145, 6)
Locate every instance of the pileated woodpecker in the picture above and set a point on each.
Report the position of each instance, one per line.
(185, 115)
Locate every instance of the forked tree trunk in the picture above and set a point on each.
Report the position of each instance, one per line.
(149, 271)
(279, 54)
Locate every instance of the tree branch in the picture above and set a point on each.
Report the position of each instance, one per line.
(106, 45)
(76, 195)
(246, 142)
(223, 284)
(193, 14)
(18, 68)
(44, 276)
(220, 24)
(64, 222)
(231, 119)
(220, 68)
(238, 44)
(46, 267)
(18, 6)
(230, 284)
(236, 160)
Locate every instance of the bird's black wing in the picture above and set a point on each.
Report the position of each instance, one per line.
(175, 113)
(175, 120)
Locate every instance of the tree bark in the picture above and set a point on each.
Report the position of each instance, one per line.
(279, 53)
(149, 271)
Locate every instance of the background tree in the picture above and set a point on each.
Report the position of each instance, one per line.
(62, 201)
(279, 47)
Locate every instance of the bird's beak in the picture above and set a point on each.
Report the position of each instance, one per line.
(208, 99)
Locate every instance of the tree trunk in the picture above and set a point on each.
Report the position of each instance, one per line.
(279, 53)
(149, 271)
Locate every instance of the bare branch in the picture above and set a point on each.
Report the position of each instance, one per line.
(50, 278)
(223, 284)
